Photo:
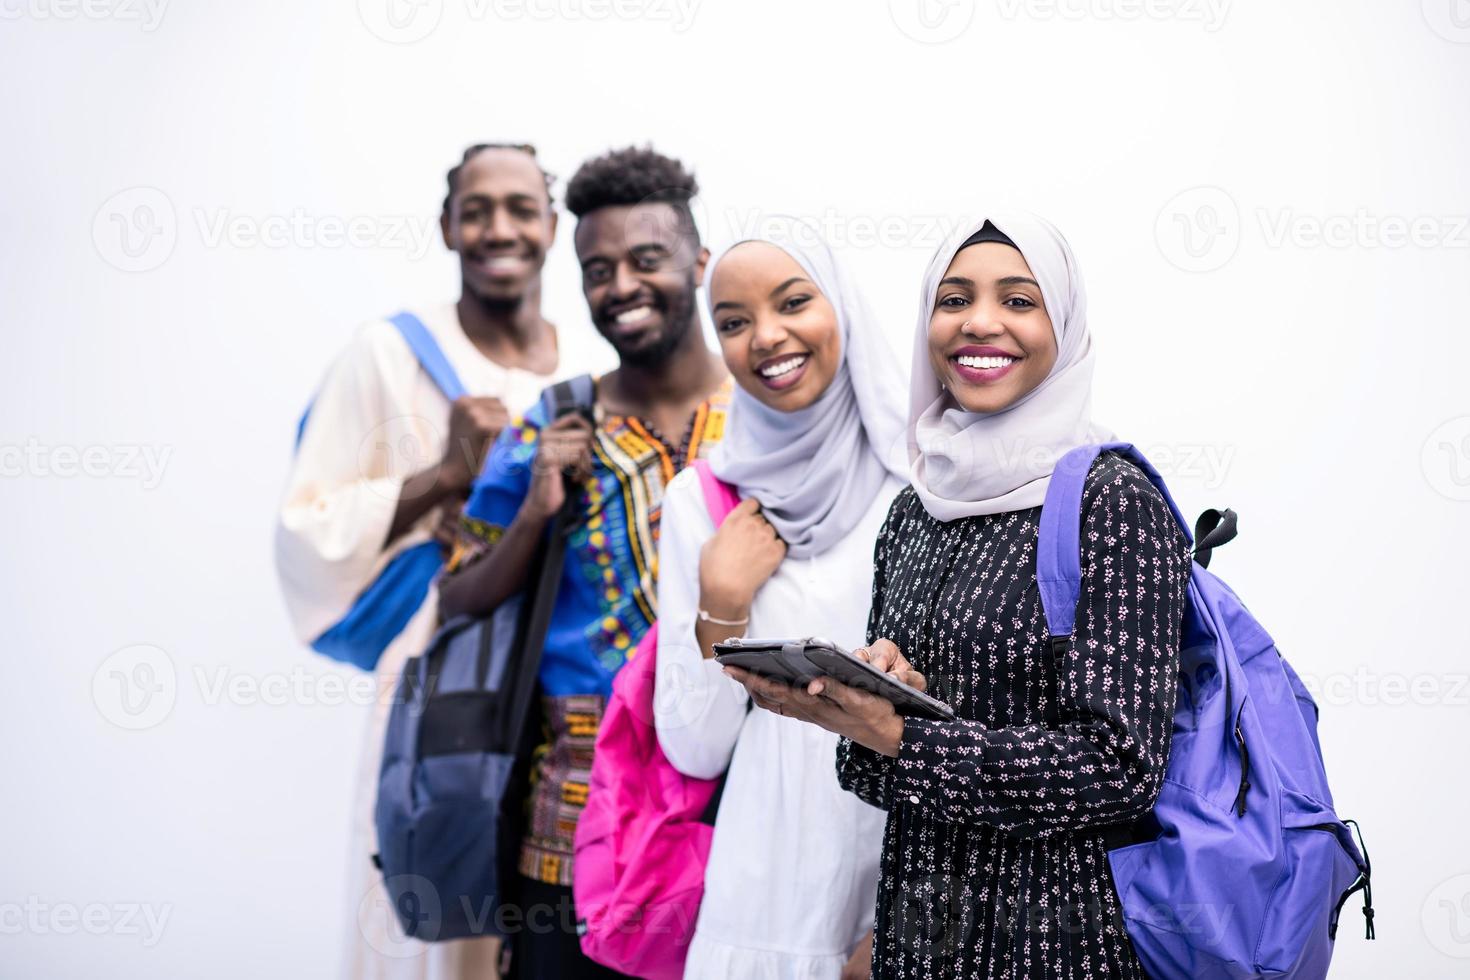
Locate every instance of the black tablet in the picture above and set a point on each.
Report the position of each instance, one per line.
(796, 662)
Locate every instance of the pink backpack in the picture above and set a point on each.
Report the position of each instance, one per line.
(641, 845)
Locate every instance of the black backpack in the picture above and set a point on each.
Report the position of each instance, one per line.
(451, 789)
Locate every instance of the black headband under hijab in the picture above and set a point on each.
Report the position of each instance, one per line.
(987, 233)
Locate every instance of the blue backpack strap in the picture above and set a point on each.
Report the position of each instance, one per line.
(426, 349)
(384, 608)
(1059, 570)
(1059, 540)
(430, 357)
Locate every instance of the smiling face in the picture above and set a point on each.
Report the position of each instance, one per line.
(778, 332)
(500, 222)
(990, 338)
(641, 267)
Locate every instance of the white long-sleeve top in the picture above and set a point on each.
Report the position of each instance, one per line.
(791, 882)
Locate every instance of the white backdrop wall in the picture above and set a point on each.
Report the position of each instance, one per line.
(1269, 201)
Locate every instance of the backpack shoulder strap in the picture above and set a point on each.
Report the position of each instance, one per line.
(431, 358)
(1059, 539)
(425, 349)
(1059, 571)
(719, 496)
(574, 394)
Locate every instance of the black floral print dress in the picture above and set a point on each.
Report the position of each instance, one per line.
(994, 864)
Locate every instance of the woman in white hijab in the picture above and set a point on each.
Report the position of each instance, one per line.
(815, 447)
(995, 858)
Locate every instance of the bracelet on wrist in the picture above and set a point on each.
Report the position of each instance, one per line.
(705, 617)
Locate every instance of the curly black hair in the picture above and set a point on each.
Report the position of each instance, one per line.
(472, 151)
(633, 175)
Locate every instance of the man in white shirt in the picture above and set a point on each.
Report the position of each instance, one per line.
(383, 466)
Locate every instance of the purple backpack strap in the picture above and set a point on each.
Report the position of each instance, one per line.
(1059, 540)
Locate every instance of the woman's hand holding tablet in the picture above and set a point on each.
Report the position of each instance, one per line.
(800, 679)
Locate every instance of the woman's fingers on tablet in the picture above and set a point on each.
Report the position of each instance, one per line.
(742, 675)
(754, 686)
(771, 690)
(888, 658)
(847, 698)
(883, 654)
(915, 680)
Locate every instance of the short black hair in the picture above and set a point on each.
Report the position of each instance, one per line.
(633, 175)
(472, 151)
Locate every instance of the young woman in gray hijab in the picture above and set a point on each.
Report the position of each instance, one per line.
(815, 447)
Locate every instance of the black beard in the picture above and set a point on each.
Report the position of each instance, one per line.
(679, 319)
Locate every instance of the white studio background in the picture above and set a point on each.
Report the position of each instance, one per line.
(1269, 201)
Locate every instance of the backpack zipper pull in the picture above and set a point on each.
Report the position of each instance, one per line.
(1245, 771)
(1367, 880)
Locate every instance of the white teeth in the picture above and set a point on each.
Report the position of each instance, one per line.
(634, 315)
(783, 367)
(985, 363)
(502, 265)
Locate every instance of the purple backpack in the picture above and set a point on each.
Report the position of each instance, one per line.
(1244, 864)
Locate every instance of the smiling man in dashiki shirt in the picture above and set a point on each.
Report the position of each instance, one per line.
(661, 408)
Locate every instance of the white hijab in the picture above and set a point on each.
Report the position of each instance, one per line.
(816, 471)
(967, 463)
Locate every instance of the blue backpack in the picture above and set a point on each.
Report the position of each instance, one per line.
(1243, 865)
(450, 791)
(383, 609)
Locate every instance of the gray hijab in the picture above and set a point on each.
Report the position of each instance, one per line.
(816, 471)
(964, 464)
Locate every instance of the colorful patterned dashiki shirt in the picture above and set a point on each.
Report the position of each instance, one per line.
(606, 599)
